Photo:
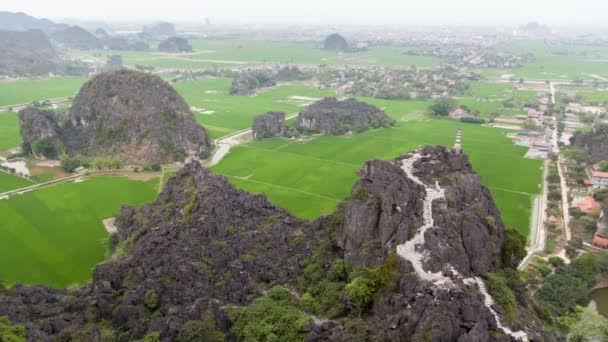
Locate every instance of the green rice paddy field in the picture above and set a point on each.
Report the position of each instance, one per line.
(311, 178)
(27, 91)
(61, 243)
(230, 53)
(9, 182)
(234, 113)
(9, 131)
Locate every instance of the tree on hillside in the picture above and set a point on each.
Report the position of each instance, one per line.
(442, 106)
(514, 249)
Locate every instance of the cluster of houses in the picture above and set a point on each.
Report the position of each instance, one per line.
(539, 143)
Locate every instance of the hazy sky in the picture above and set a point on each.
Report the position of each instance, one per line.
(480, 12)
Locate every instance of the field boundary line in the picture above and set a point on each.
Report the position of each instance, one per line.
(304, 156)
(285, 145)
(15, 175)
(282, 187)
(512, 191)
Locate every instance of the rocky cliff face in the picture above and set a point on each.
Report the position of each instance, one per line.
(269, 125)
(338, 117)
(594, 143)
(205, 247)
(76, 37)
(134, 116)
(387, 207)
(41, 132)
(201, 246)
(27, 53)
(175, 44)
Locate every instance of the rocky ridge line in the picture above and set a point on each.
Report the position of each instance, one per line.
(409, 252)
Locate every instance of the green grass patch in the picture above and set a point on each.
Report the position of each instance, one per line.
(489, 90)
(61, 243)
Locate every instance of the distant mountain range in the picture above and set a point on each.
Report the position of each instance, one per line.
(10, 21)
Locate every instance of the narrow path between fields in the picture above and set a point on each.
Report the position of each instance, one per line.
(224, 144)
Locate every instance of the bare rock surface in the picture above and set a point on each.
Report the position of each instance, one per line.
(332, 116)
(269, 125)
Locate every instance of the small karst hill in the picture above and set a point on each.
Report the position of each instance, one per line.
(133, 116)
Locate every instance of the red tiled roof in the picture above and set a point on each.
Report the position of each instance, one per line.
(588, 205)
(541, 144)
(588, 182)
(601, 241)
(599, 174)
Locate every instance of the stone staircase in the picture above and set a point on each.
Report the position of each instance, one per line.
(410, 250)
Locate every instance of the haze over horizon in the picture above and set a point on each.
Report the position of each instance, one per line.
(431, 12)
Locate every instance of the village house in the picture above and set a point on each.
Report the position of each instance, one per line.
(460, 113)
(535, 114)
(542, 146)
(588, 205)
(599, 241)
(575, 107)
(544, 101)
(599, 179)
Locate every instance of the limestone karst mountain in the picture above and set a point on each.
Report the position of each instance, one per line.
(134, 116)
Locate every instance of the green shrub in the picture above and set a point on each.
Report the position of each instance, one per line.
(203, 330)
(502, 294)
(112, 242)
(188, 212)
(339, 271)
(514, 249)
(151, 337)
(361, 290)
(11, 333)
(151, 300)
(359, 193)
(273, 317)
(45, 148)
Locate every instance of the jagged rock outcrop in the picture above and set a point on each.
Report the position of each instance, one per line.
(594, 142)
(338, 117)
(27, 53)
(114, 63)
(40, 132)
(203, 248)
(269, 125)
(246, 82)
(386, 207)
(160, 29)
(174, 45)
(76, 37)
(203, 244)
(335, 42)
(134, 116)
